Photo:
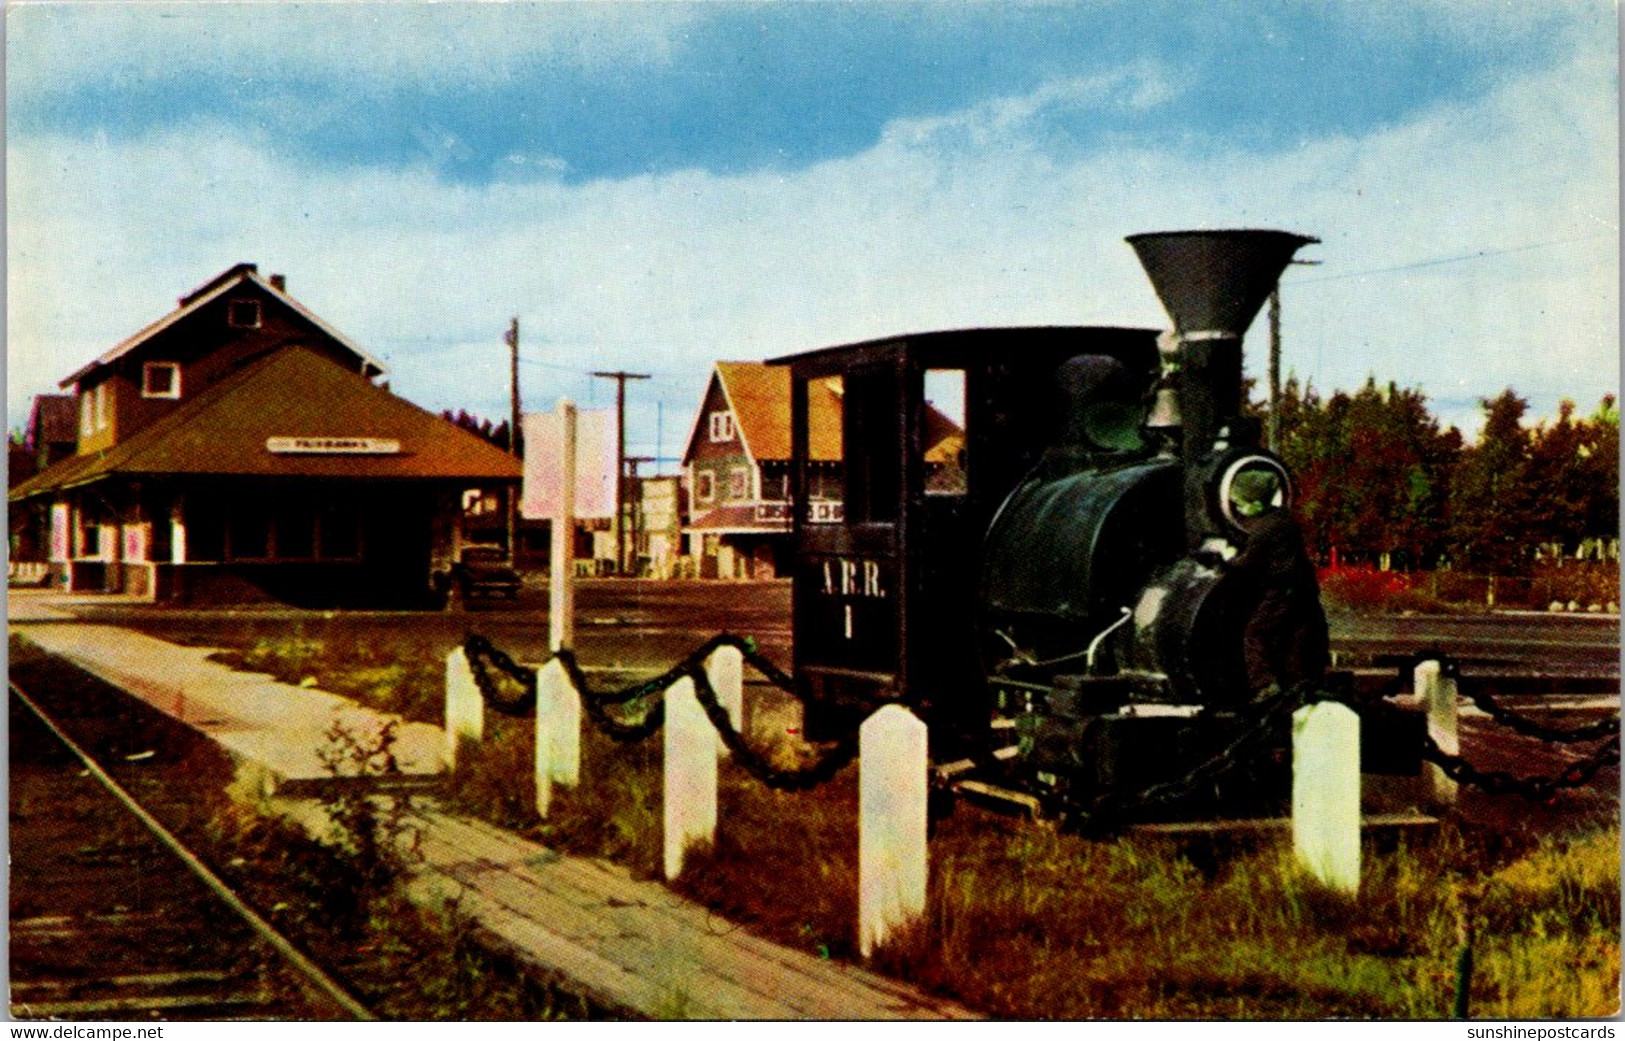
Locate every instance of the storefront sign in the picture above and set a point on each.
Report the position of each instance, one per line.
(332, 446)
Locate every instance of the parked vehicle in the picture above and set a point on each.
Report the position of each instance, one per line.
(486, 571)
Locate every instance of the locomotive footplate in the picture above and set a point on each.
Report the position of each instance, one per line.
(1089, 749)
(1156, 762)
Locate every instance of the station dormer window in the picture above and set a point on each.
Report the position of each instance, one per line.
(161, 379)
(243, 314)
(722, 426)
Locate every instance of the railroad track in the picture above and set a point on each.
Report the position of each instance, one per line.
(113, 918)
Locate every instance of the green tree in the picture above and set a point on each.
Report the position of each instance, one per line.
(1372, 471)
(1492, 502)
(1598, 471)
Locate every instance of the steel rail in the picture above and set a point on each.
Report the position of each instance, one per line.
(261, 927)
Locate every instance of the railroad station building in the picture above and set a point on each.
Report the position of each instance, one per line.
(239, 448)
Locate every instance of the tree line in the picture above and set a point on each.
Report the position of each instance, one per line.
(496, 433)
(1380, 482)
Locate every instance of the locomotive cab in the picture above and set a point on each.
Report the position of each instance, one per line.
(903, 450)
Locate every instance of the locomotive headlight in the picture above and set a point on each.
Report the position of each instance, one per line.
(1251, 486)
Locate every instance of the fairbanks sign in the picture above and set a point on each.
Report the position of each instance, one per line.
(332, 446)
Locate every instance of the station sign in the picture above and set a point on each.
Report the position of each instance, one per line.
(332, 446)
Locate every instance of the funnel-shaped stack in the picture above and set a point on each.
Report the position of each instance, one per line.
(1212, 284)
(1215, 281)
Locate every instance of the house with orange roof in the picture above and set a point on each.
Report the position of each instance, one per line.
(736, 468)
(240, 448)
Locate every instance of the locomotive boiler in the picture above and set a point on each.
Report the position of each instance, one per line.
(1062, 546)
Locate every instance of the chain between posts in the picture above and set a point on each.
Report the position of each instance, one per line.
(1535, 789)
(1529, 728)
(1500, 782)
(1486, 700)
(649, 697)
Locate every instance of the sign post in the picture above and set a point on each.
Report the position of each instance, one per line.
(560, 583)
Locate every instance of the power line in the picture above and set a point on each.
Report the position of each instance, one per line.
(1438, 261)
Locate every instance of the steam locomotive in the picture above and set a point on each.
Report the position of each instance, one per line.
(1062, 546)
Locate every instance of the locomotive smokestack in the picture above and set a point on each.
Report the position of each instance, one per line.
(1212, 284)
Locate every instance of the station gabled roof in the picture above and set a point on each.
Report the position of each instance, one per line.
(207, 293)
(227, 430)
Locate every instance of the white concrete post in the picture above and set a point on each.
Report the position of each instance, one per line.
(1438, 695)
(690, 812)
(1326, 793)
(558, 733)
(561, 611)
(726, 670)
(465, 706)
(892, 791)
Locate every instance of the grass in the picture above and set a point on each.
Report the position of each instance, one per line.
(403, 675)
(1023, 922)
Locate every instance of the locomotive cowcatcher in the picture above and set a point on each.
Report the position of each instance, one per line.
(1062, 546)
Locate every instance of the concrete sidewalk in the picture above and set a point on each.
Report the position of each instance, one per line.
(276, 728)
(628, 943)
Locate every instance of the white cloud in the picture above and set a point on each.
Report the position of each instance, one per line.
(959, 221)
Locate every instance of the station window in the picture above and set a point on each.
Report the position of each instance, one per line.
(942, 440)
(340, 531)
(722, 426)
(294, 529)
(160, 379)
(205, 529)
(91, 519)
(243, 314)
(250, 531)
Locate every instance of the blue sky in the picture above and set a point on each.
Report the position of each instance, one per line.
(656, 186)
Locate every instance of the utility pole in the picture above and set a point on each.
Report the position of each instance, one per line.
(1273, 439)
(632, 462)
(512, 338)
(620, 377)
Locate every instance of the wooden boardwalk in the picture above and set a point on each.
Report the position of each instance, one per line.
(629, 944)
(634, 944)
